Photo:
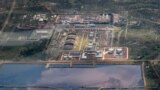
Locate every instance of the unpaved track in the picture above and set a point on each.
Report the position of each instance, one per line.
(9, 15)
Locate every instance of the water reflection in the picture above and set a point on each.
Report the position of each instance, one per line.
(109, 76)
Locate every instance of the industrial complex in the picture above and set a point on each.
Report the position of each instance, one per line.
(79, 45)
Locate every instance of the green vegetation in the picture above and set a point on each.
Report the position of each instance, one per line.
(153, 81)
(2, 19)
(20, 52)
(33, 48)
(143, 44)
(35, 6)
(143, 41)
(148, 9)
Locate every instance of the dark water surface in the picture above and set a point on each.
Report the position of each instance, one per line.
(107, 76)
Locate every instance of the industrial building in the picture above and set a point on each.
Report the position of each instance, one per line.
(115, 53)
(70, 41)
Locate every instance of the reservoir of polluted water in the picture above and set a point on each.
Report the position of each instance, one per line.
(106, 76)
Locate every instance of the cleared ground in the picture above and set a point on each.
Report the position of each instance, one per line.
(81, 41)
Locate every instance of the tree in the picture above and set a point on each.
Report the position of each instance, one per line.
(32, 3)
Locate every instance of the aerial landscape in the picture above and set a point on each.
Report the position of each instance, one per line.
(79, 45)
